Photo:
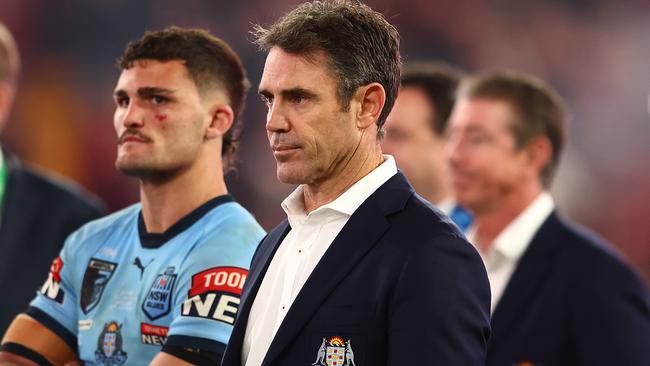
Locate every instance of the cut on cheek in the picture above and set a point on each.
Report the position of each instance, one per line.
(161, 117)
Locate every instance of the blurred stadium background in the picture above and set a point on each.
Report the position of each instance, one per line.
(596, 53)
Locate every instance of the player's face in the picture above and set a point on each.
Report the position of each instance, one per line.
(410, 138)
(311, 137)
(159, 119)
(484, 162)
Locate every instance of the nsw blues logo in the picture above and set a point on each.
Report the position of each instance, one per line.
(109, 350)
(158, 301)
(95, 279)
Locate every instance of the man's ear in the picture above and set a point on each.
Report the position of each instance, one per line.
(371, 99)
(222, 118)
(539, 152)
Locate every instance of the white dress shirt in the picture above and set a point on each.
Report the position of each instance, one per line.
(511, 243)
(299, 253)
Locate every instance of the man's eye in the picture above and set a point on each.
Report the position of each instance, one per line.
(122, 102)
(157, 99)
(297, 99)
(477, 139)
(267, 101)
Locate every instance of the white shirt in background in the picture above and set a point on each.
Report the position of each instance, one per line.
(511, 243)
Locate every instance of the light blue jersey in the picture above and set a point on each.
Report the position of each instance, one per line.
(117, 293)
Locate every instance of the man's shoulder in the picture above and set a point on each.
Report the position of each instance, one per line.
(593, 260)
(117, 223)
(419, 217)
(232, 220)
(54, 189)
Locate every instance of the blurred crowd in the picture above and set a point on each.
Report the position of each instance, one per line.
(595, 53)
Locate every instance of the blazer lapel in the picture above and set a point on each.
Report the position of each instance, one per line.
(262, 260)
(268, 247)
(526, 279)
(362, 231)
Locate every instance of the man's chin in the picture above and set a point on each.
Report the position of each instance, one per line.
(145, 171)
(288, 176)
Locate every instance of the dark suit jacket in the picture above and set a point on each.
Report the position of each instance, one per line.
(399, 281)
(571, 301)
(37, 215)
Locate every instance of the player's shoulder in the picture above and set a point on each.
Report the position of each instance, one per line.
(231, 217)
(231, 228)
(117, 222)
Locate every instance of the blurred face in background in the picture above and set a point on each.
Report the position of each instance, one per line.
(411, 139)
(485, 165)
(159, 118)
(311, 135)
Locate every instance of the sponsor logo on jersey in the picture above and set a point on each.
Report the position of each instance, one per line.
(95, 279)
(109, 350)
(85, 324)
(153, 334)
(335, 352)
(52, 286)
(158, 301)
(138, 263)
(215, 294)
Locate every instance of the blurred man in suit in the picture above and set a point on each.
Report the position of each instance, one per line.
(363, 271)
(37, 211)
(560, 295)
(416, 131)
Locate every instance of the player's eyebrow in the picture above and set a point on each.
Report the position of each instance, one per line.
(150, 91)
(145, 92)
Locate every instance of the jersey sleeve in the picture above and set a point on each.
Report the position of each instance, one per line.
(210, 285)
(55, 304)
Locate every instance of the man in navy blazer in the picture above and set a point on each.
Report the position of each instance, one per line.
(37, 211)
(560, 295)
(363, 271)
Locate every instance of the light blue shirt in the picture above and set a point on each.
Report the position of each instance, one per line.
(117, 293)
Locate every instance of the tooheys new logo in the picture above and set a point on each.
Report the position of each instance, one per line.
(215, 294)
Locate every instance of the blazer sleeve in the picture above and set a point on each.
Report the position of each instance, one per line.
(440, 313)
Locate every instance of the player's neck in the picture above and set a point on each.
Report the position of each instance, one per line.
(489, 223)
(163, 204)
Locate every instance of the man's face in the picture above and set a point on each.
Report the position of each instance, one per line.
(159, 118)
(410, 138)
(311, 137)
(484, 163)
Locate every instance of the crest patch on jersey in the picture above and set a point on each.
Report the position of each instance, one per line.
(158, 301)
(52, 286)
(335, 352)
(215, 294)
(153, 334)
(109, 350)
(95, 279)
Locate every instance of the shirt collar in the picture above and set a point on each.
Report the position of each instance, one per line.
(515, 238)
(351, 199)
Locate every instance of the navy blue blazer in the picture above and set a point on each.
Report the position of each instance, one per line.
(399, 285)
(571, 301)
(37, 214)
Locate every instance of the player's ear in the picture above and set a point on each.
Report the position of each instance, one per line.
(221, 119)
